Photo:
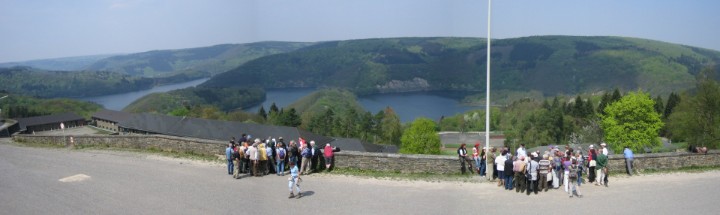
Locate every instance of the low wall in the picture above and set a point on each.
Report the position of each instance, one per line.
(451, 165)
(439, 164)
(157, 142)
(398, 162)
(659, 161)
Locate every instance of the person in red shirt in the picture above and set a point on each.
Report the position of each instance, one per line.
(328, 152)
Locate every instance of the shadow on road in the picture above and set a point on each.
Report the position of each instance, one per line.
(308, 193)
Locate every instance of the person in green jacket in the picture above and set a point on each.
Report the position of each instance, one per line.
(601, 169)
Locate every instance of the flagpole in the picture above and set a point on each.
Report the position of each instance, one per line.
(487, 94)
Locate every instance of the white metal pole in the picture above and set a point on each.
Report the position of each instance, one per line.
(487, 95)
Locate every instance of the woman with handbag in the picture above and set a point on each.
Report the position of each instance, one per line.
(592, 163)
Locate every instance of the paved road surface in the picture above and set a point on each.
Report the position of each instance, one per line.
(130, 183)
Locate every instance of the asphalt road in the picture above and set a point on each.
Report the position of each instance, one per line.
(132, 183)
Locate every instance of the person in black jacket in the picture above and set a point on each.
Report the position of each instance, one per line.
(315, 157)
(462, 156)
(509, 172)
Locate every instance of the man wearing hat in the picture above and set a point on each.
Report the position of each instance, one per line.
(604, 148)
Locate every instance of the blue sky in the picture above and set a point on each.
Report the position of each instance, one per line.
(58, 28)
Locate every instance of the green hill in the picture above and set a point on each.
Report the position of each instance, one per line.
(20, 106)
(226, 99)
(209, 60)
(51, 84)
(548, 64)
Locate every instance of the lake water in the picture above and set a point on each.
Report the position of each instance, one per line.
(408, 106)
(122, 100)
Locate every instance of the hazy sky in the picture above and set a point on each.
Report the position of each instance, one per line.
(36, 29)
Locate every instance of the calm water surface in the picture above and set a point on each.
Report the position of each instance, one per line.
(408, 106)
(122, 100)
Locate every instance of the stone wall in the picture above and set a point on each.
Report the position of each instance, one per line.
(397, 162)
(451, 165)
(157, 142)
(439, 164)
(659, 161)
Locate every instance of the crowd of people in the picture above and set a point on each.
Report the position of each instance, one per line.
(535, 171)
(256, 158)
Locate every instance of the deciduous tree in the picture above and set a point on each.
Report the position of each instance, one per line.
(632, 122)
(421, 138)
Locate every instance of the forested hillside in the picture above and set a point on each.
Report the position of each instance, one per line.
(225, 99)
(549, 64)
(21, 106)
(63, 64)
(51, 84)
(209, 60)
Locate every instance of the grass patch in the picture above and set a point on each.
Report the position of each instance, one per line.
(396, 175)
(687, 169)
(38, 145)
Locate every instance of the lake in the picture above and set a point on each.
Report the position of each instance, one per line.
(122, 100)
(408, 106)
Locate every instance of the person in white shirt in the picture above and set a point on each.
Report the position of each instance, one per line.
(521, 151)
(500, 166)
(604, 149)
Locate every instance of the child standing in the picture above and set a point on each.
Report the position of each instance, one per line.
(294, 180)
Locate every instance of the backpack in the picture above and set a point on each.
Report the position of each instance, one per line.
(281, 153)
(306, 152)
(573, 172)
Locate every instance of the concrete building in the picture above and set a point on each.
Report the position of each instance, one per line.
(47, 122)
(108, 119)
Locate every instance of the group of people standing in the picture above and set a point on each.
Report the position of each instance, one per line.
(263, 157)
(532, 173)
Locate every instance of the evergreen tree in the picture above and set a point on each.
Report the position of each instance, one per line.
(365, 126)
(391, 129)
(291, 118)
(262, 113)
(589, 110)
(673, 100)
(546, 105)
(697, 118)
(604, 102)
(555, 103)
(659, 107)
(578, 109)
(274, 108)
(616, 96)
(377, 126)
(349, 124)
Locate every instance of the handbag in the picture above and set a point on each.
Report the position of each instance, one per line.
(593, 163)
(528, 176)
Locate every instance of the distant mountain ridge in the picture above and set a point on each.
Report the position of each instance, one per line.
(549, 64)
(60, 64)
(209, 60)
(74, 84)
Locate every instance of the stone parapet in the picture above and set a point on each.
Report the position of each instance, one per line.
(156, 142)
(437, 164)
